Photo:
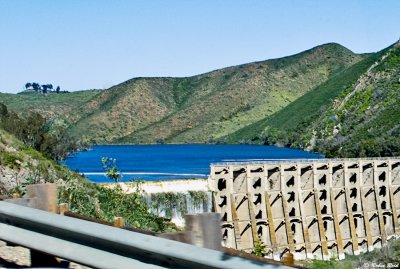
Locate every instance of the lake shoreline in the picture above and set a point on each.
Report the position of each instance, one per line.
(153, 162)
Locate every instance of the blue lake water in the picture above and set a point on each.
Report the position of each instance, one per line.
(164, 162)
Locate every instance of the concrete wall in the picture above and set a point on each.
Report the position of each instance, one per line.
(311, 208)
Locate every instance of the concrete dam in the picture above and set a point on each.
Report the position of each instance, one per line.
(311, 208)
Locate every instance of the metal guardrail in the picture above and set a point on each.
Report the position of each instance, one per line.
(102, 246)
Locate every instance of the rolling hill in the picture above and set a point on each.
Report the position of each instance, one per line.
(364, 120)
(355, 113)
(206, 108)
(326, 99)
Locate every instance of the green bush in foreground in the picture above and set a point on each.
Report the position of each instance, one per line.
(105, 203)
(110, 167)
(259, 248)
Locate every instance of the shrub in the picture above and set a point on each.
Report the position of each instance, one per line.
(105, 203)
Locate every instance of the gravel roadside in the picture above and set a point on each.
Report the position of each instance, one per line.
(19, 257)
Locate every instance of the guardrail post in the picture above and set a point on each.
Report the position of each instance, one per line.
(288, 259)
(62, 208)
(204, 230)
(119, 222)
(44, 196)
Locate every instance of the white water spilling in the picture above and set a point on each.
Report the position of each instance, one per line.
(175, 205)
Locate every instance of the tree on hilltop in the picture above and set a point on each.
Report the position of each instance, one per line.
(28, 85)
(36, 86)
(47, 87)
(44, 88)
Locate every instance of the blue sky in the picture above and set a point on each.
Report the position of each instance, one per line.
(96, 44)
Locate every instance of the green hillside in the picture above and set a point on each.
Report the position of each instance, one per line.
(285, 125)
(61, 109)
(207, 108)
(365, 119)
(216, 104)
(355, 113)
(21, 165)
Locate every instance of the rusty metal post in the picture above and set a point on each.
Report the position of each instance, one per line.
(119, 222)
(63, 208)
(288, 259)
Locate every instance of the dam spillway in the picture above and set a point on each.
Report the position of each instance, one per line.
(312, 208)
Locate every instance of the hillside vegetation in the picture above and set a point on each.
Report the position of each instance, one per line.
(365, 119)
(60, 109)
(206, 108)
(356, 113)
(25, 148)
(21, 165)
